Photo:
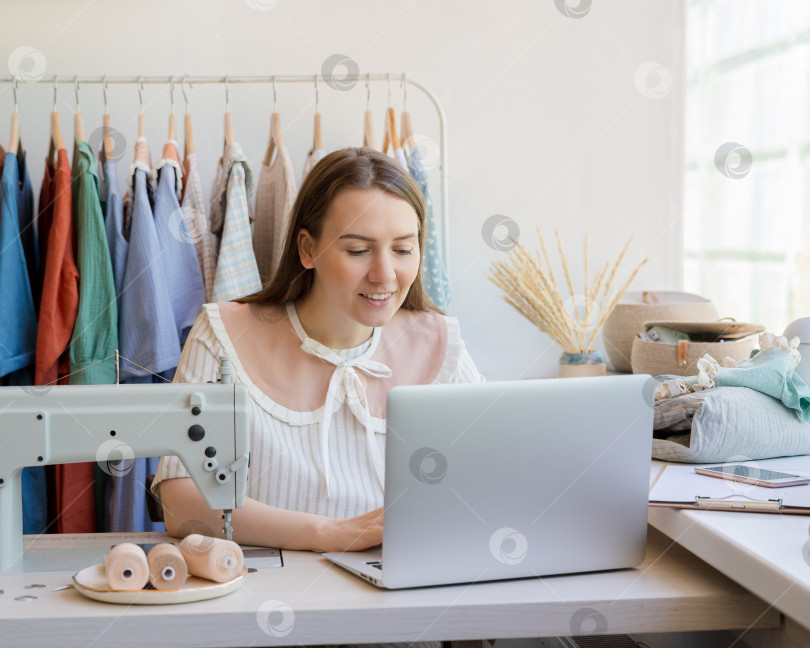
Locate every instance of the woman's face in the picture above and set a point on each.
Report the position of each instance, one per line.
(366, 258)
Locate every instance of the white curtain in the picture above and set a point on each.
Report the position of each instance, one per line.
(747, 204)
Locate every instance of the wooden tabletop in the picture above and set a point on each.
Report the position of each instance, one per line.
(310, 601)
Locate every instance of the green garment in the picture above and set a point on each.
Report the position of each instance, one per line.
(771, 372)
(95, 334)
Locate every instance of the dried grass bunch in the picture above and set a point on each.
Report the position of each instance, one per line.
(531, 288)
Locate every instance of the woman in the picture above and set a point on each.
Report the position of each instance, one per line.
(343, 320)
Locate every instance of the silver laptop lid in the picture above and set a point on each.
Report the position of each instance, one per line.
(512, 479)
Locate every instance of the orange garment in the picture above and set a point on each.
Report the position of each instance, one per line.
(60, 284)
(57, 315)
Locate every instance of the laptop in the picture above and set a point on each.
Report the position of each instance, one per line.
(514, 479)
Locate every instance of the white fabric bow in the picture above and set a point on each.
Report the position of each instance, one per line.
(343, 388)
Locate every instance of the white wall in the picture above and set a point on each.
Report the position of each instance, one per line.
(548, 123)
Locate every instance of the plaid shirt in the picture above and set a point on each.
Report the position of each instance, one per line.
(237, 274)
(194, 212)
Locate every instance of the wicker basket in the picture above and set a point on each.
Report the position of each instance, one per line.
(627, 320)
(658, 358)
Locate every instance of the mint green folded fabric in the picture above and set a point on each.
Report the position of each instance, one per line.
(771, 372)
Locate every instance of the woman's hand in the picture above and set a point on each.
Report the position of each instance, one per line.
(352, 534)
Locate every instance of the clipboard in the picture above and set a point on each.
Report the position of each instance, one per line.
(681, 487)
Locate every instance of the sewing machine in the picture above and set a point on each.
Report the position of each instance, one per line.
(205, 425)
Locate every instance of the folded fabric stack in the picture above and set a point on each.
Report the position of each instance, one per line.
(755, 410)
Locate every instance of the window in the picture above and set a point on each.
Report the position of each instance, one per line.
(747, 202)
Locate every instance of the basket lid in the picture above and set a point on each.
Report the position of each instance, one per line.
(728, 330)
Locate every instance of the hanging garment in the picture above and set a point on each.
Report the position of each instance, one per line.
(18, 324)
(148, 336)
(391, 136)
(297, 453)
(183, 277)
(28, 232)
(60, 278)
(193, 205)
(95, 334)
(218, 198)
(434, 273)
(275, 195)
(147, 330)
(18, 331)
(313, 157)
(113, 208)
(236, 274)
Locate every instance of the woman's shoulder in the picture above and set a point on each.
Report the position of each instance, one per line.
(426, 321)
(424, 339)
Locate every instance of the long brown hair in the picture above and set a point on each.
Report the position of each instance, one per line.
(349, 168)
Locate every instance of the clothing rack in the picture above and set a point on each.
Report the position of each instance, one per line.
(294, 78)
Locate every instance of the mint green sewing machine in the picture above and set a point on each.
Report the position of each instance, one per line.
(205, 425)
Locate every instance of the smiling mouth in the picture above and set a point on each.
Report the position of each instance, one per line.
(377, 296)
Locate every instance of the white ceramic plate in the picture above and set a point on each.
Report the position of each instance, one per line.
(92, 583)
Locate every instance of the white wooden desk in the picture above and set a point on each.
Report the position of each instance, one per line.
(767, 553)
(671, 591)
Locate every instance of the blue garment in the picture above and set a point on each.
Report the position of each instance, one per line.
(18, 330)
(181, 267)
(771, 372)
(113, 209)
(146, 329)
(28, 233)
(18, 321)
(148, 337)
(434, 274)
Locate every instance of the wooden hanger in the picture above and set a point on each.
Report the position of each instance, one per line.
(276, 138)
(56, 141)
(172, 122)
(407, 131)
(369, 139)
(228, 121)
(390, 132)
(317, 142)
(78, 122)
(189, 144)
(188, 147)
(108, 141)
(141, 116)
(14, 138)
(407, 125)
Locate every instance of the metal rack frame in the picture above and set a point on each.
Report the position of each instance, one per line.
(295, 78)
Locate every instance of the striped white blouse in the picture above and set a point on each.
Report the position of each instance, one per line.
(286, 467)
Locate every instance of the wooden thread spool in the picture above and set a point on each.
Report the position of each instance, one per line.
(126, 567)
(167, 567)
(212, 558)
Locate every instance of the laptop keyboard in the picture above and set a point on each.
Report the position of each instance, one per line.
(375, 563)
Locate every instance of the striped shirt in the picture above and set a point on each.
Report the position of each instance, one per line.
(285, 444)
(237, 274)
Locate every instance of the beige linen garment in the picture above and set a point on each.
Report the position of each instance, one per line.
(275, 194)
